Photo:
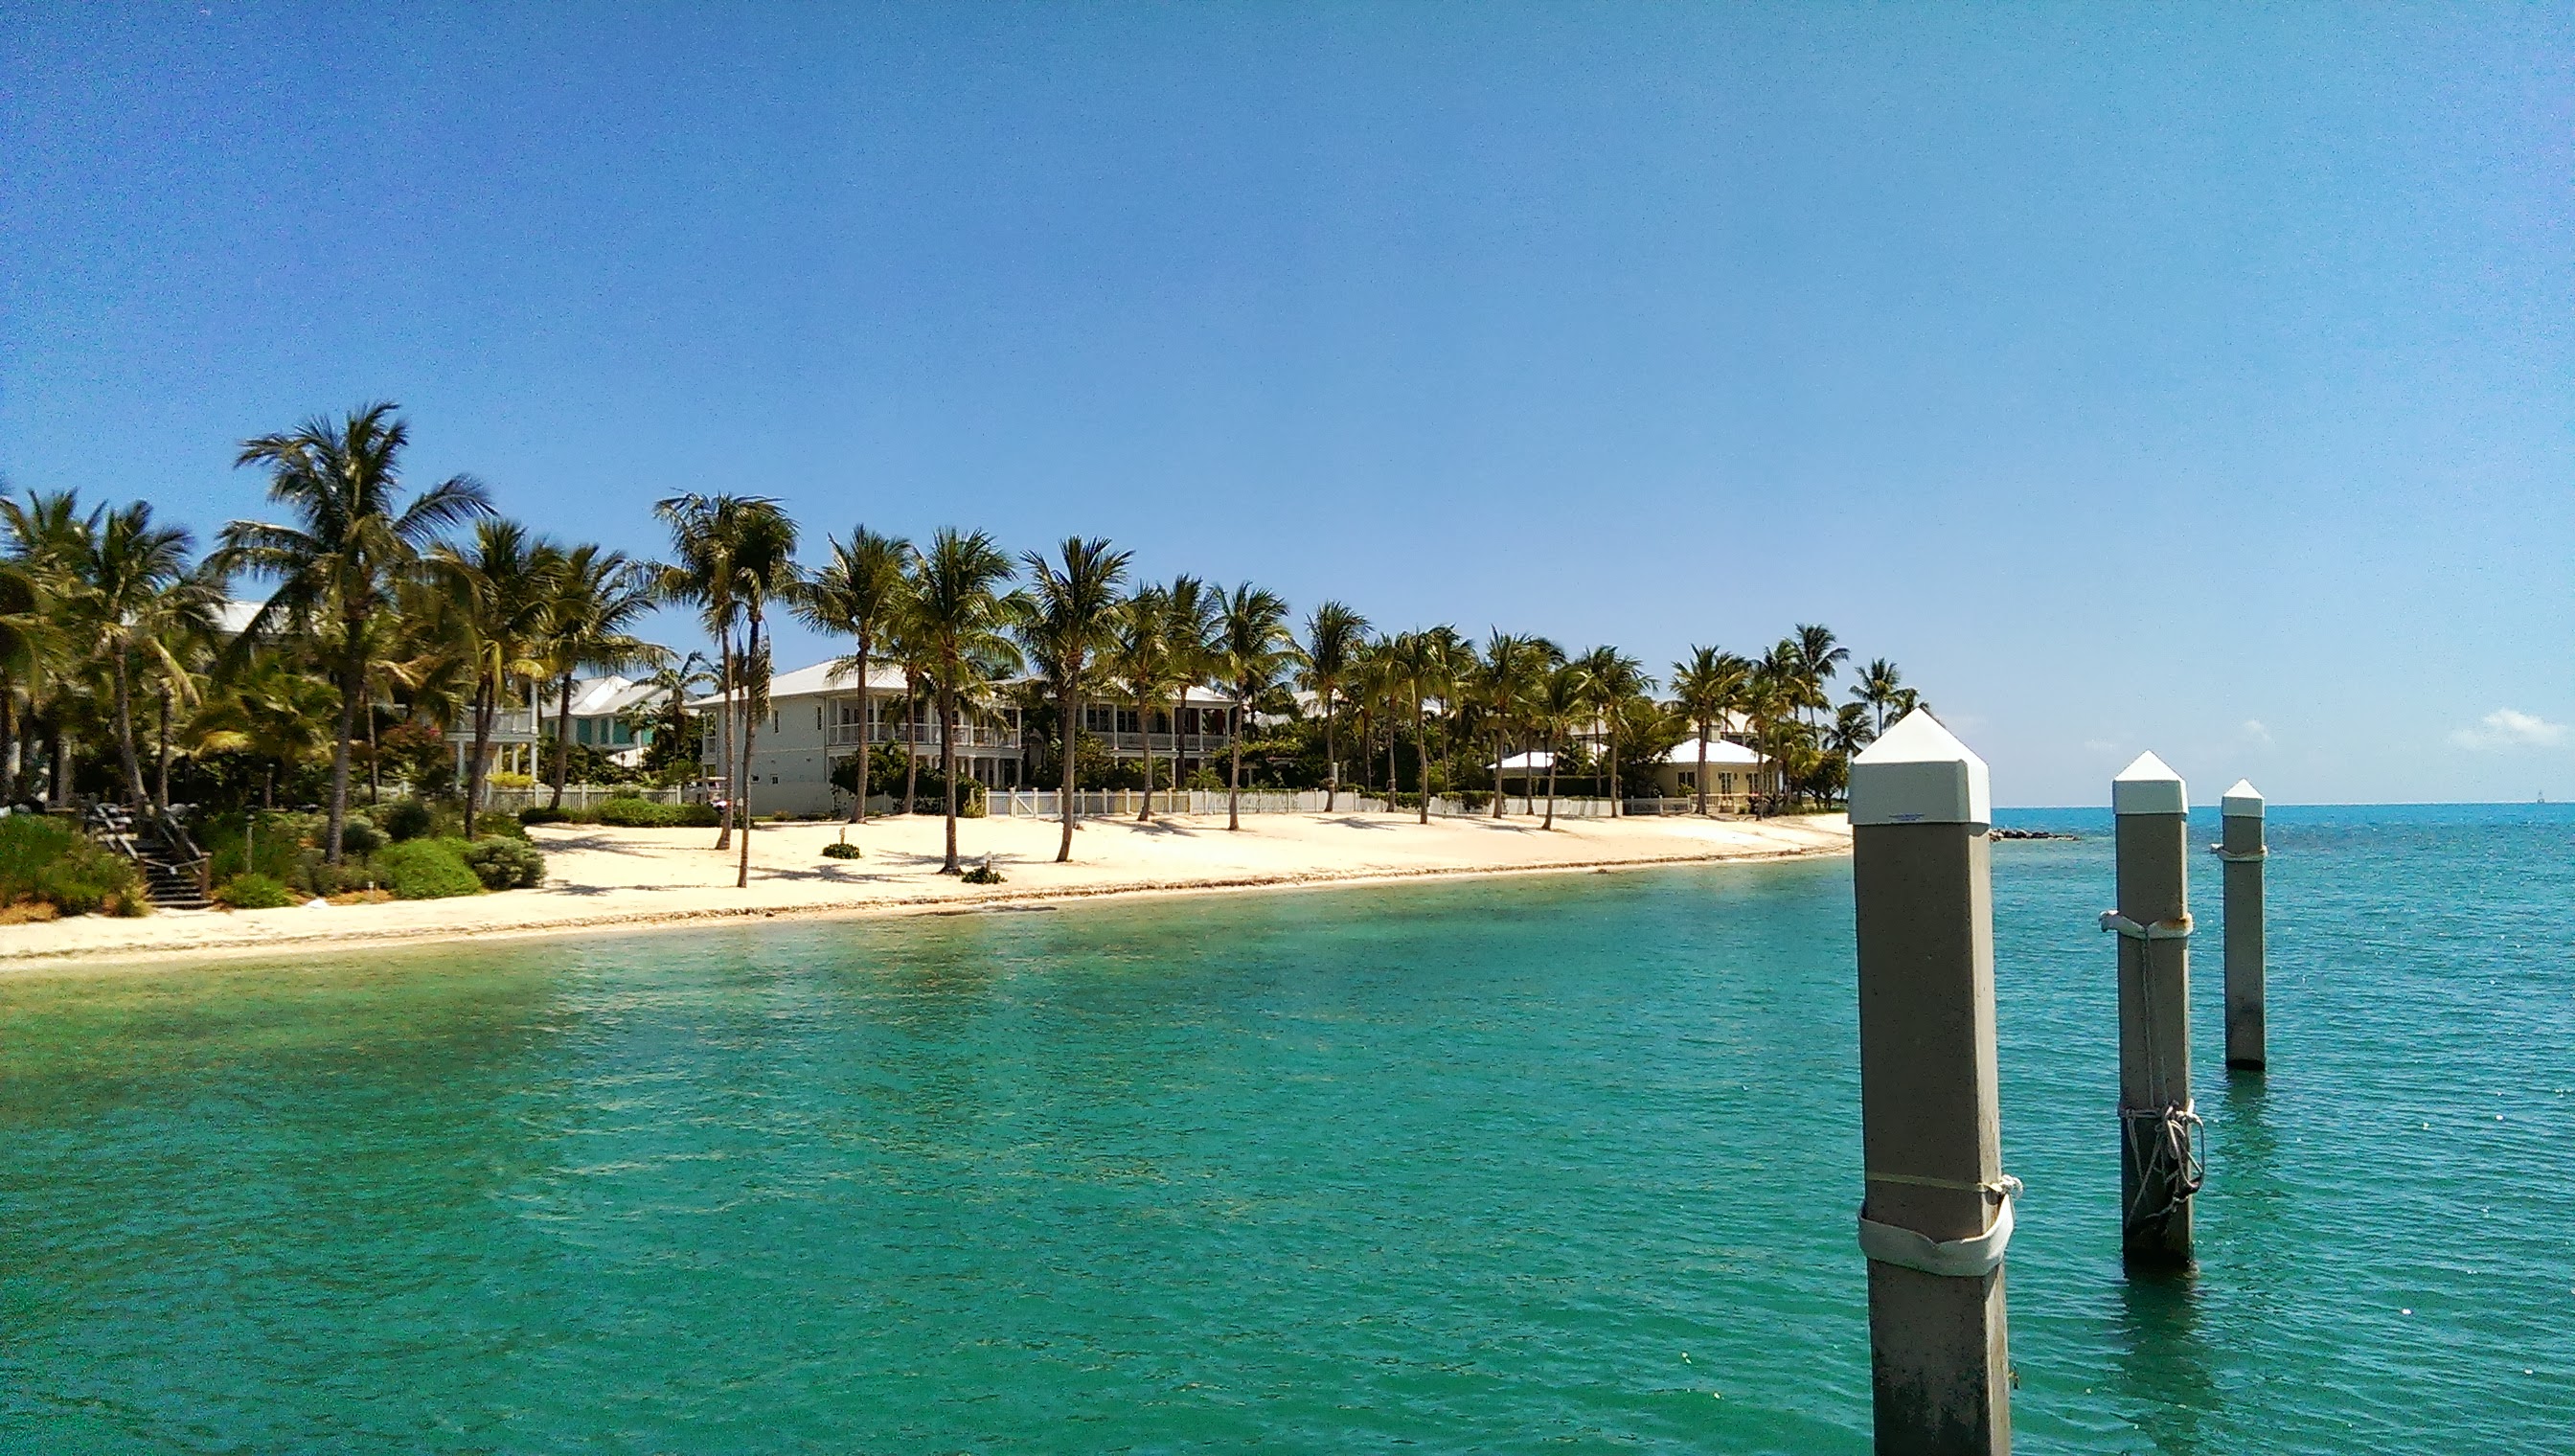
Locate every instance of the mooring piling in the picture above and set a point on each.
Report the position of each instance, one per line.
(2160, 1161)
(1937, 1209)
(2242, 849)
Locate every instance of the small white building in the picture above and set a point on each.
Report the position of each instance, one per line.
(1735, 772)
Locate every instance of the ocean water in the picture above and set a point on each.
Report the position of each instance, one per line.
(1540, 1162)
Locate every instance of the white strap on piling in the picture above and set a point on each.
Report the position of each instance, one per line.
(2239, 856)
(1957, 1258)
(2178, 928)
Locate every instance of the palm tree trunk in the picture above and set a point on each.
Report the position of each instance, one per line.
(375, 761)
(10, 748)
(1234, 787)
(910, 744)
(353, 685)
(563, 742)
(161, 756)
(1613, 773)
(867, 740)
(948, 771)
(1550, 782)
(484, 696)
(1497, 772)
(1331, 756)
(1070, 714)
(126, 757)
(750, 730)
(1702, 771)
(1145, 721)
(724, 741)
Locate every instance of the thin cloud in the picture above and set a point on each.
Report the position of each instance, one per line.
(2254, 733)
(2507, 729)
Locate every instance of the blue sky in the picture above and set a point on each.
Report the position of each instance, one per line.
(2187, 378)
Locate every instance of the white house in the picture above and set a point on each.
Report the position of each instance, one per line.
(1733, 773)
(818, 716)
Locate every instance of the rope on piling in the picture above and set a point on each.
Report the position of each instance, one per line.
(2170, 1145)
(2239, 856)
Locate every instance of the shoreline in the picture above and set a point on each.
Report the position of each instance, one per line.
(784, 889)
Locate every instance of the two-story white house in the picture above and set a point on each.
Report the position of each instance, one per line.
(818, 716)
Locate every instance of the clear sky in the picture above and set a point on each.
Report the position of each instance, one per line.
(2193, 378)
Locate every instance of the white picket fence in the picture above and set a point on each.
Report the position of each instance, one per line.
(1047, 803)
(579, 796)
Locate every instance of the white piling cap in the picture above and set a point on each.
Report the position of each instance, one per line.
(2148, 786)
(2244, 802)
(1917, 772)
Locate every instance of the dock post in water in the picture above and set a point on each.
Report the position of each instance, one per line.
(1938, 1209)
(2242, 850)
(2160, 1163)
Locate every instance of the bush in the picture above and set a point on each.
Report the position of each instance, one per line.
(358, 838)
(841, 851)
(426, 870)
(638, 814)
(504, 863)
(982, 874)
(539, 814)
(406, 820)
(48, 861)
(498, 821)
(253, 892)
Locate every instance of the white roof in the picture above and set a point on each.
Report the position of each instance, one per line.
(1536, 760)
(821, 681)
(234, 617)
(601, 697)
(1719, 752)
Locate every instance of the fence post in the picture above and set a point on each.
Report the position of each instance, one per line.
(2241, 849)
(1937, 1214)
(2160, 1163)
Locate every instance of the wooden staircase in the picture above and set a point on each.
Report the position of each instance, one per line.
(172, 866)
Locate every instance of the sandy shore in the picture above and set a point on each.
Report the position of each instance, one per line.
(602, 878)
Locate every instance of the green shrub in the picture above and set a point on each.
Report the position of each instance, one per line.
(406, 819)
(358, 838)
(841, 851)
(638, 814)
(426, 870)
(540, 814)
(253, 892)
(46, 859)
(982, 874)
(498, 821)
(504, 863)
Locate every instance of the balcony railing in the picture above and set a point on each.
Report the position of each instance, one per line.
(1192, 745)
(969, 736)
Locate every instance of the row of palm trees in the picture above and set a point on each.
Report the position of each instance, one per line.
(383, 606)
(391, 611)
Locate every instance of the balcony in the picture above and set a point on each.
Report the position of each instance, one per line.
(969, 736)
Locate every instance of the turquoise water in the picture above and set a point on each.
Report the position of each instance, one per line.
(1496, 1165)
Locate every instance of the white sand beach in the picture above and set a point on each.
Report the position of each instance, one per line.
(622, 880)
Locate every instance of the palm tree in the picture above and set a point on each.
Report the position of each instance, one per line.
(1708, 688)
(1191, 610)
(1146, 670)
(354, 536)
(671, 686)
(763, 552)
(1561, 698)
(47, 536)
(1425, 665)
(1819, 656)
(497, 591)
(734, 554)
(1879, 684)
(137, 598)
(1252, 650)
(860, 593)
(1333, 637)
(1612, 678)
(1071, 622)
(1507, 680)
(962, 619)
(597, 596)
